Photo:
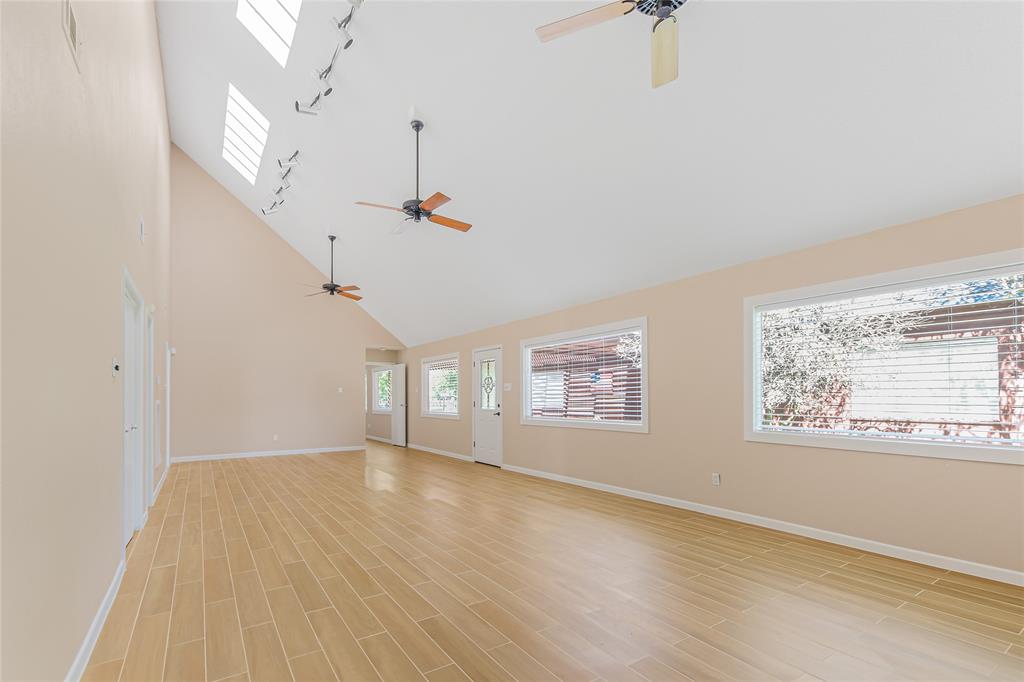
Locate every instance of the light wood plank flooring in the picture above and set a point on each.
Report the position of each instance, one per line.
(402, 565)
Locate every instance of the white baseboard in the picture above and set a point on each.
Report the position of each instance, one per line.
(160, 485)
(266, 453)
(435, 451)
(378, 438)
(1004, 575)
(85, 651)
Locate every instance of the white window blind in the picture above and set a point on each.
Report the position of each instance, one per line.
(937, 362)
(441, 386)
(591, 378)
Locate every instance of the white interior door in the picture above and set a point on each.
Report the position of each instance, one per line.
(131, 378)
(487, 406)
(398, 403)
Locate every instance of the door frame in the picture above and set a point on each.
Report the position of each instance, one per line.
(133, 494)
(475, 374)
(368, 368)
(149, 433)
(168, 355)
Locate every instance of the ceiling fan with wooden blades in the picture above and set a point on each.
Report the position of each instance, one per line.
(664, 33)
(336, 289)
(417, 209)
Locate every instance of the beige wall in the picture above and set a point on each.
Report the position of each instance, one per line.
(968, 510)
(381, 355)
(85, 156)
(261, 359)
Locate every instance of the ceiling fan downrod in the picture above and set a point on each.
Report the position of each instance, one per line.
(417, 125)
(332, 238)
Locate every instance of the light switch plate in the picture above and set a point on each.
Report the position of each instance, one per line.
(508, 387)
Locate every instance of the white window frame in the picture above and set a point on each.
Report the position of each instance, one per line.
(527, 345)
(425, 364)
(375, 390)
(986, 265)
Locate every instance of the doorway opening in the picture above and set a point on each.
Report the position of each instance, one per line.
(385, 397)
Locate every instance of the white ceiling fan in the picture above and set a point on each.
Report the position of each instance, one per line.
(664, 33)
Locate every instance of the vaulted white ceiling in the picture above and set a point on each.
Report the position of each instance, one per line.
(791, 124)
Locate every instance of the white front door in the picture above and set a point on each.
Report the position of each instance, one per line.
(487, 406)
(131, 378)
(398, 405)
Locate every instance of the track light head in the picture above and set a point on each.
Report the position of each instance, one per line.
(313, 108)
(346, 37)
(356, 4)
(291, 161)
(274, 207)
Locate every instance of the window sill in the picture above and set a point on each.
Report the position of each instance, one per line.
(972, 453)
(591, 425)
(436, 415)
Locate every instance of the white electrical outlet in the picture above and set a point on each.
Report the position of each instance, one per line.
(275, 436)
(340, 389)
(716, 478)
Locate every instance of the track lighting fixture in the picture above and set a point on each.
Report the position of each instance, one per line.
(274, 208)
(285, 184)
(292, 160)
(342, 26)
(356, 4)
(284, 176)
(313, 108)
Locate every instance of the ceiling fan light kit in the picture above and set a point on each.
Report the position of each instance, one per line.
(664, 33)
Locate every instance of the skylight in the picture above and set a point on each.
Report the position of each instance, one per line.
(245, 135)
(272, 22)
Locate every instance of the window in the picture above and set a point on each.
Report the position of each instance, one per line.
(382, 390)
(936, 361)
(593, 378)
(488, 385)
(272, 23)
(245, 135)
(440, 387)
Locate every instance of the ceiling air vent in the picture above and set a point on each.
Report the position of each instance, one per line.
(70, 23)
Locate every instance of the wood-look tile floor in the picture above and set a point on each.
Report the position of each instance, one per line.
(401, 565)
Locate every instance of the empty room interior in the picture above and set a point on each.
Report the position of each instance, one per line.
(534, 340)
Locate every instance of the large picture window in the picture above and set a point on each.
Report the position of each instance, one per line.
(933, 361)
(591, 378)
(440, 387)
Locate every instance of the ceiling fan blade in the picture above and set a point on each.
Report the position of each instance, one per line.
(450, 222)
(585, 19)
(664, 51)
(316, 294)
(400, 227)
(354, 297)
(348, 287)
(433, 201)
(366, 203)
